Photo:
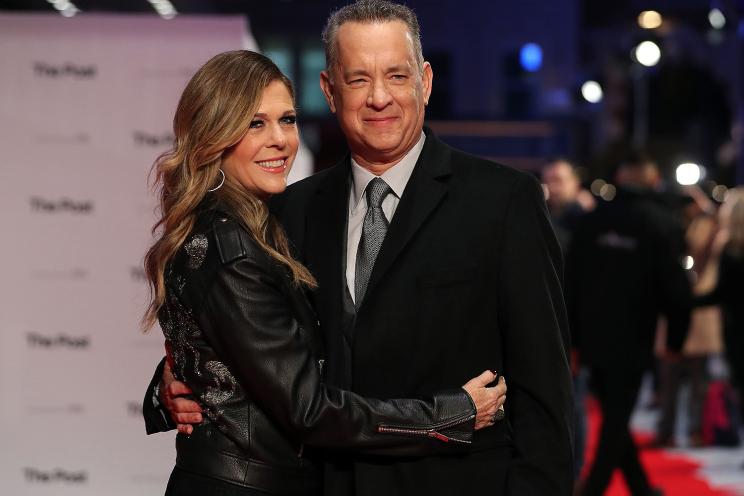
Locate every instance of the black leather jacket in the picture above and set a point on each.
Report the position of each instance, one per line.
(246, 340)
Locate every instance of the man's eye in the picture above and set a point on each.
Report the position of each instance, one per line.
(289, 119)
(256, 123)
(399, 77)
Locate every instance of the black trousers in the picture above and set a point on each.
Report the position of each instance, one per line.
(617, 392)
(692, 368)
(734, 345)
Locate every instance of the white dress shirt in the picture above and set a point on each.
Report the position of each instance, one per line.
(396, 177)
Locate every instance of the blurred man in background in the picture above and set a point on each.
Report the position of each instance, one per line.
(567, 201)
(626, 271)
(567, 204)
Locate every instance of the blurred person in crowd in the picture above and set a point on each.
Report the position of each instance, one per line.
(231, 300)
(625, 265)
(729, 289)
(428, 261)
(567, 203)
(566, 200)
(703, 340)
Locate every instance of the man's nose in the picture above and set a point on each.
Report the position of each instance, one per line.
(379, 97)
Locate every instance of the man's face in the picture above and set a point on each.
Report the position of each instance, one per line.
(562, 183)
(377, 91)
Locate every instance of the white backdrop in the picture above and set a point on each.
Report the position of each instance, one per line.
(86, 104)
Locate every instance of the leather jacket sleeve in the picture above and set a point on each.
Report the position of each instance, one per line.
(247, 319)
(156, 416)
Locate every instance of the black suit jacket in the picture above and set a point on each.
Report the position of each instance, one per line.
(467, 279)
(625, 271)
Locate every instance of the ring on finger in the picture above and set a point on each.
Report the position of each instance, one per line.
(500, 414)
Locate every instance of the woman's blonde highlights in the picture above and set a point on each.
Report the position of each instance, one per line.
(734, 205)
(213, 114)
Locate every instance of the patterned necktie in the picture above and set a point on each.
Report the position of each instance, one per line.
(373, 233)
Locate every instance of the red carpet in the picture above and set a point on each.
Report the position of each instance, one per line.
(676, 475)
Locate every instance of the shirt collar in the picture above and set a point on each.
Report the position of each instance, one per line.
(396, 176)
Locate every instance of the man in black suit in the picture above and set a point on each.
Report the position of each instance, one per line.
(625, 270)
(431, 264)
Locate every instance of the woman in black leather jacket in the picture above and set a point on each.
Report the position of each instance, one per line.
(230, 299)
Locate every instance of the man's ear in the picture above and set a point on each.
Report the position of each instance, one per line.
(327, 88)
(427, 78)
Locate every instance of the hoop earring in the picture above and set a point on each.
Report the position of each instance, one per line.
(219, 185)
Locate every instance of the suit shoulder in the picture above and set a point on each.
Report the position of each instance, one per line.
(298, 194)
(489, 174)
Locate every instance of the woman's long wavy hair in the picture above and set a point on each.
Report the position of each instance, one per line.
(734, 221)
(213, 115)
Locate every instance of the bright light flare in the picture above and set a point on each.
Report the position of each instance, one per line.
(164, 8)
(649, 19)
(64, 7)
(608, 192)
(689, 262)
(716, 19)
(592, 92)
(596, 186)
(719, 193)
(531, 57)
(688, 174)
(647, 53)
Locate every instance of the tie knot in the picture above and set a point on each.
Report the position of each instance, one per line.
(377, 190)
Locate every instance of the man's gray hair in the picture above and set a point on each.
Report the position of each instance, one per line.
(367, 12)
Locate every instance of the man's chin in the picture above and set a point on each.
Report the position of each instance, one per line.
(381, 154)
(382, 143)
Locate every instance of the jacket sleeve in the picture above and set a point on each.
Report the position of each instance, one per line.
(248, 321)
(156, 417)
(533, 322)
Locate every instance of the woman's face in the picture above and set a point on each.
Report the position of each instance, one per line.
(261, 161)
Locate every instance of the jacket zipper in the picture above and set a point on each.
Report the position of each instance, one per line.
(430, 432)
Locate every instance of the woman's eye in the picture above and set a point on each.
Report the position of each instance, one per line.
(289, 119)
(256, 124)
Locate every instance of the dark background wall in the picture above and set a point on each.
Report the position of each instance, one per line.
(694, 106)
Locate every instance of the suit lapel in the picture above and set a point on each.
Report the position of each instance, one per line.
(426, 188)
(325, 236)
